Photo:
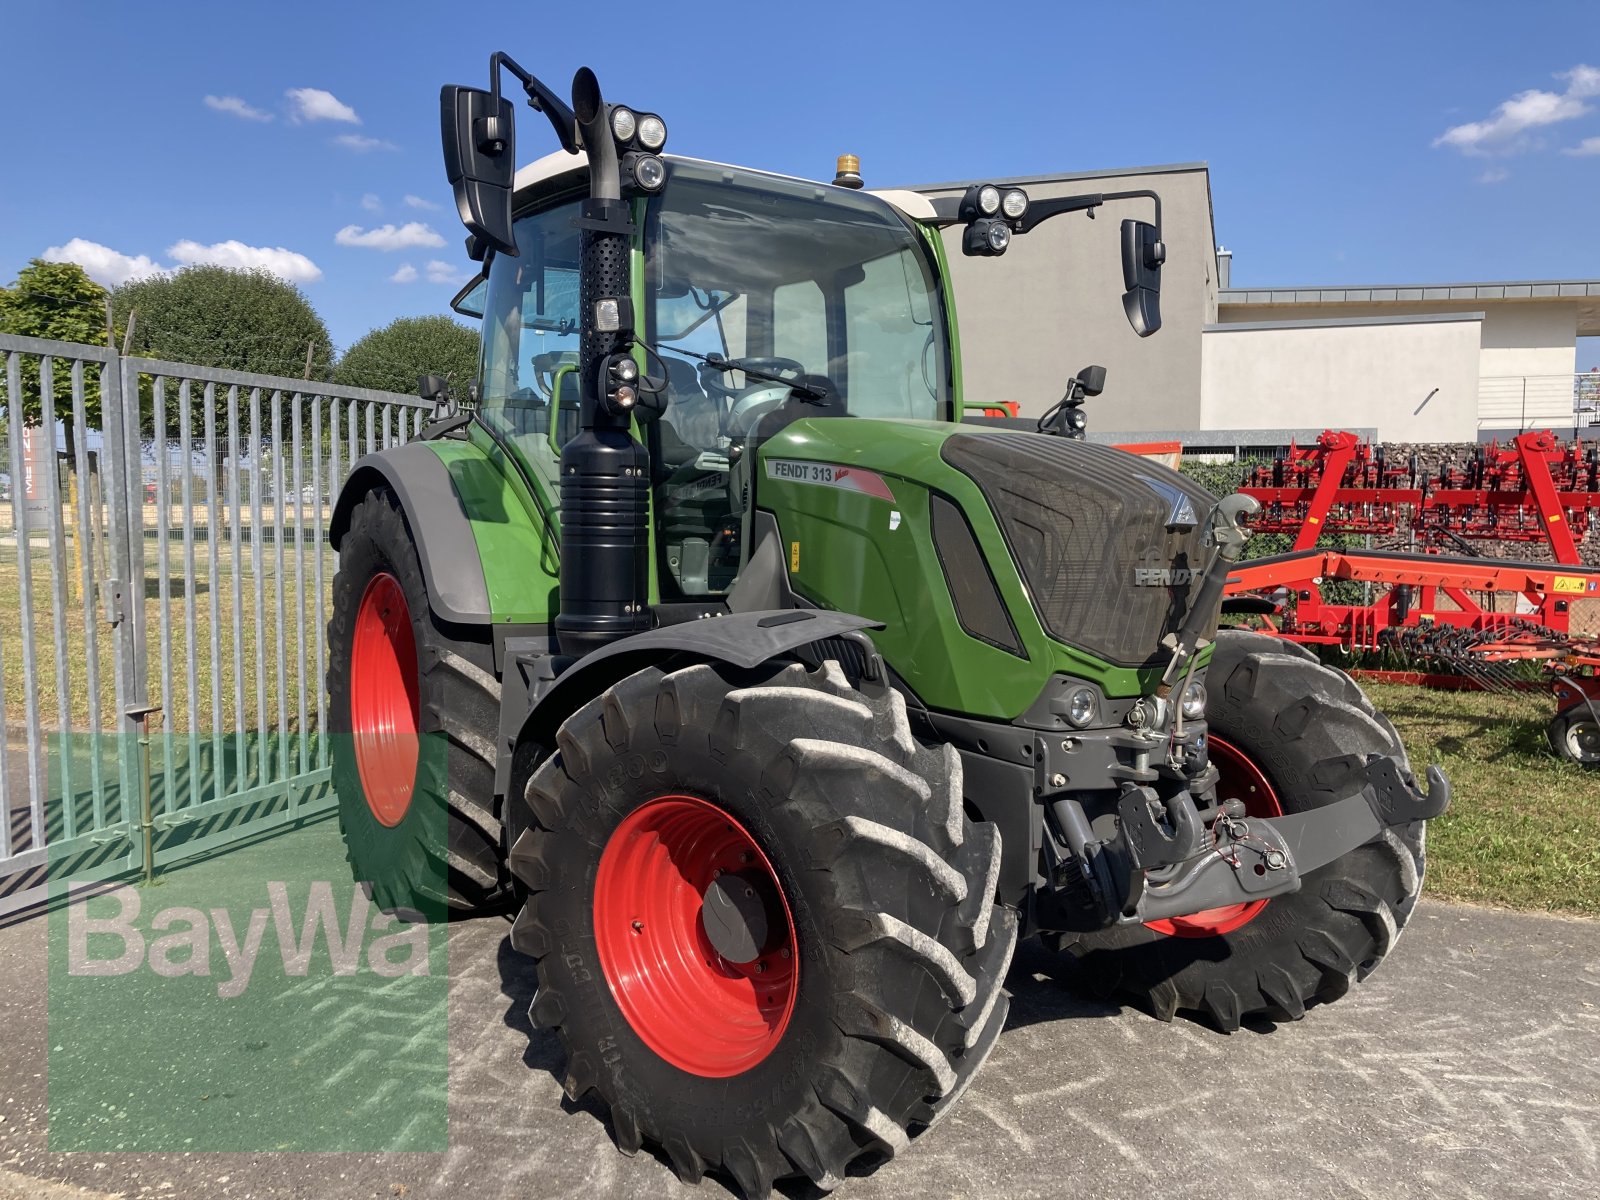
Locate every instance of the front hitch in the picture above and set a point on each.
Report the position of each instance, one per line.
(1243, 859)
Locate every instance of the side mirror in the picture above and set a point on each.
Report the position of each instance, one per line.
(432, 387)
(478, 132)
(1092, 380)
(1143, 252)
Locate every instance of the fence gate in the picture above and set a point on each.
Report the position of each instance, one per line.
(163, 555)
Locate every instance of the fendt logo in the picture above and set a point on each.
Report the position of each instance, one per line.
(1162, 576)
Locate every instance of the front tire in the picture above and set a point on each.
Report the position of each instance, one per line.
(868, 990)
(1301, 732)
(414, 708)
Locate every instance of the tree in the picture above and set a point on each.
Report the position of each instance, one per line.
(220, 317)
(59, 301)
(393, 357)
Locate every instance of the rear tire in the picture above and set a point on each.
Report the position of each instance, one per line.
(1307, 729)
(1575, 736)
(435, 845)
(894, 999)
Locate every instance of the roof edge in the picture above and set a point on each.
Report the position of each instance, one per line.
(1057, 177)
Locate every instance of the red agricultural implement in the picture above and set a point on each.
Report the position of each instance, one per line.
(1463, 618)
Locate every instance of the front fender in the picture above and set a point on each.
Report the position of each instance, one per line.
(440, 528)
(538, 694)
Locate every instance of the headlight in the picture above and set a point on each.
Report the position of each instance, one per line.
(1083, 706)
(1014, 203)
(1193, 704)
(649, 172)
(623, 124)
(999, 238)
(988, 200)
(652, 132)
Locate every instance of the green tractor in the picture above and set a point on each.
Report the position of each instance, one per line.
(780, 701)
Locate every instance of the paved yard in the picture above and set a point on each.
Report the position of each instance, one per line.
(1469, 1066)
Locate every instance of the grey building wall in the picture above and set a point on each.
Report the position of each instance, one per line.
(1053, 302)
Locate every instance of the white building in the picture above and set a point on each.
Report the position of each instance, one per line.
(1417, 362)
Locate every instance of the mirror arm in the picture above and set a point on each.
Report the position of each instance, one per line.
(540, 98)
(1040, 211)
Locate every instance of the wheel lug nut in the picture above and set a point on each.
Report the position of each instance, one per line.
(638, 926)
(784, 953)
(744, 856)
(761, 967)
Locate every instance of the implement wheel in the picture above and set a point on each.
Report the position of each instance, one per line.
(765, 929)
(1287, 734)
(414, 708)
(1575, 735)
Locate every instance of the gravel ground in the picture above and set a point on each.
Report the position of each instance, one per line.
(1469, 1066)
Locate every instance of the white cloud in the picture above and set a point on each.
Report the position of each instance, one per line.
(314, 104)
(443, 272)
(1505, 131)
(1589, 145)
(104, 265)
(389, 237)
(406, 273)
(285, 264)
(419, 202)
(371, 203)
(361, 144)
(1494, 175)
(235, 107)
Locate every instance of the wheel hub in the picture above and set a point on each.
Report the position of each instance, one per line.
(1241, 779)
(735, 918)
(384, 706)
(695, 937)
(1583, 741)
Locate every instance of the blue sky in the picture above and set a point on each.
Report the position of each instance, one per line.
(1327, 128)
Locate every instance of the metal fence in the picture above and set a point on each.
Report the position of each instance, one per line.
(163, 545)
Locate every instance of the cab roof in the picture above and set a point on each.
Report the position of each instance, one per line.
(913, 205)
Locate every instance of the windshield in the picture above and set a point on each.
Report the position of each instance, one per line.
(830, 282)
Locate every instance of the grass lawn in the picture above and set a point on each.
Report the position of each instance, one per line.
(1523, 828)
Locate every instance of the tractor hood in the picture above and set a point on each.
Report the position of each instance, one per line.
(995, 557)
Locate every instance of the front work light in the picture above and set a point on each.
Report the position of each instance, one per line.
(1014, 203)
(652, 132)
(1083, 706)
(1193, 704)
(649, 172)
(987, 237)
(624, 124)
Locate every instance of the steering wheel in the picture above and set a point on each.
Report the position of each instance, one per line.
(753, 403)
(712, 379)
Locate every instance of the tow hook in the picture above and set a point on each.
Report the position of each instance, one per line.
(1253, 858)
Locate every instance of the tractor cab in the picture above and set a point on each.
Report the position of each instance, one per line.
(820, 300)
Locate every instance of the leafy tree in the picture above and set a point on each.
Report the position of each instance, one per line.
(60, 301)
(393, 357)
(220, 317)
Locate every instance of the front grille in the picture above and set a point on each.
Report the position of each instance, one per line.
(1083, 522)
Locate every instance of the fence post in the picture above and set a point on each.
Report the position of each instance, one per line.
(122, 591)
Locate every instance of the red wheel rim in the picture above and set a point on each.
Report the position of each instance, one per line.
(696, 1009)
(1242, 780)
(383, 699)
